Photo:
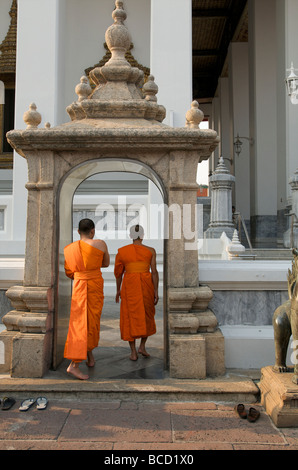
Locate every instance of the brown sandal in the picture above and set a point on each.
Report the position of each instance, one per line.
(253, 415)
(241, 411)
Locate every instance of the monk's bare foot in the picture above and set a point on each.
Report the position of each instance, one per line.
(133, 356)
(90, 359)
(144, 352)
(75, 371)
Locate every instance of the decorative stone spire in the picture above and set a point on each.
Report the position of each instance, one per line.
(32, 117)
(221, 167)
(117, 36)
(150, 89)
(117, 93)
(9, 45)
(83, 89)
(235, 249)
(194, 116)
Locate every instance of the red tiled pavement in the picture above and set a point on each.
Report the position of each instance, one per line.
(154, 426)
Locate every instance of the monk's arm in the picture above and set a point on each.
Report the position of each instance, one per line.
(106, 256)
(118, 287)
(68, 272)
(106, 260)
(155, 277)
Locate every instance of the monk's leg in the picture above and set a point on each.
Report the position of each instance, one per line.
(74, 370)
(90, 359)
(142, 349)
(134, 354)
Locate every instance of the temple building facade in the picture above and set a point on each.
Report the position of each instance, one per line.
(232, 57)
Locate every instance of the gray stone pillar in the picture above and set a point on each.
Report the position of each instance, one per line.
(221, 218)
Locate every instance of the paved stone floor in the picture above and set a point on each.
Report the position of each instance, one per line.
(143, 426)
(112, 355)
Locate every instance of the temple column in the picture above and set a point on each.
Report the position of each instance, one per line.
(226, 149)
(239, 124)
(263, 120)
(171, 56)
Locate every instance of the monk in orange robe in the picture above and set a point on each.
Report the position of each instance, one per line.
(138, 289)
(83, 262)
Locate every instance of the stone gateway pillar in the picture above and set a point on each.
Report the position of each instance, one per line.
(118, 121)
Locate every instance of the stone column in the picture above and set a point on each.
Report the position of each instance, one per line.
(221, 219)
(239, 117)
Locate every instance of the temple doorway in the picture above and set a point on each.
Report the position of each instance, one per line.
(115, 195)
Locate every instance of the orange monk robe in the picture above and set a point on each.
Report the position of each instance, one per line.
(83, 263)
(137, 308)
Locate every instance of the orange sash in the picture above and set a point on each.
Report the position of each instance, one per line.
(137, 267)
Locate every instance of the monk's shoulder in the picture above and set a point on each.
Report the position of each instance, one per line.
(150, 248)
(122, 249)
(71, 246)
(100, 245)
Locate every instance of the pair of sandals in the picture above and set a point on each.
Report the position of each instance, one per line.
(251, 416)
(42, 403)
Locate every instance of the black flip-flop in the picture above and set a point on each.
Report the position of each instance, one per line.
(7, 403)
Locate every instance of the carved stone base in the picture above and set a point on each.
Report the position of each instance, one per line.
(187, 357)
(27, 342)
(197, 356)
(196, 345)
(30, 355)
(279, 396)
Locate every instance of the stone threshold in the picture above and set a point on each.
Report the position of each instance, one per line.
(230, 388)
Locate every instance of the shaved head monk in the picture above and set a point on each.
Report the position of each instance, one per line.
(83, 262)
(137, 286)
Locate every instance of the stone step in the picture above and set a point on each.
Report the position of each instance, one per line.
(230, 389)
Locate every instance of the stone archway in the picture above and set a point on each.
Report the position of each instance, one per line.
(117, 121)
(66, 192)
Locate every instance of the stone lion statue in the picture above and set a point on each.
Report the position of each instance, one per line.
(285, 324)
